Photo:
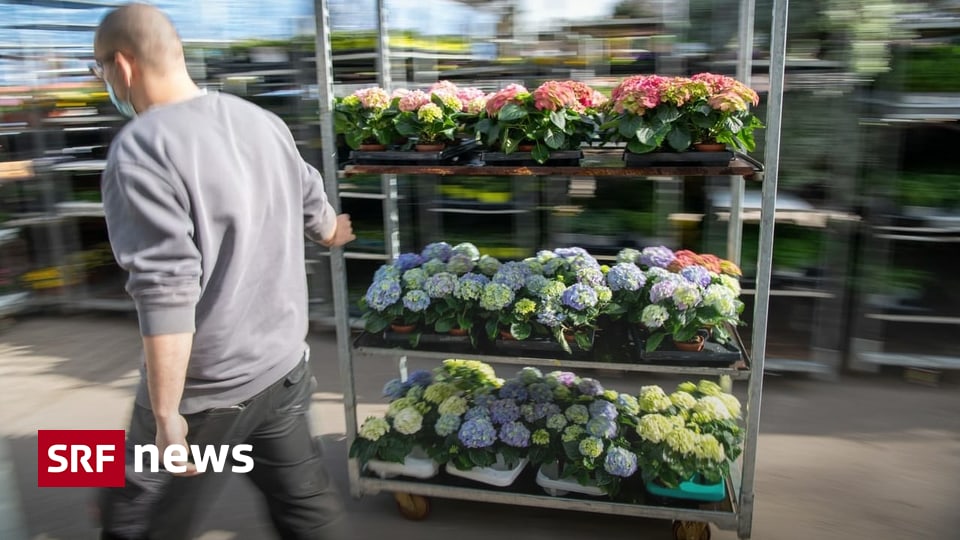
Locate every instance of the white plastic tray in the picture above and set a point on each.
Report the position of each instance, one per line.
(562, 486)
(498, 475)
(416, 465)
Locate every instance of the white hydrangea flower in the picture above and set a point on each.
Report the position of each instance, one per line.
(711, 408)
(408, 421)
(732, 404)
(373, 428)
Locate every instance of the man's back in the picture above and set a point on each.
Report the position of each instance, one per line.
(205, 203)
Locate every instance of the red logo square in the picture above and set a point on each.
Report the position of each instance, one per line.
(81, 458)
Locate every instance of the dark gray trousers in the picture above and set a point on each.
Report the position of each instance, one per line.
(288, 470)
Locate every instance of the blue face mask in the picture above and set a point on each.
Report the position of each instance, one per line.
(125, 107)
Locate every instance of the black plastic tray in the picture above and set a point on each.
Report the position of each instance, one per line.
(713, 354)
(678, 159)
(566, 158)
(541, 346)
(449, 155)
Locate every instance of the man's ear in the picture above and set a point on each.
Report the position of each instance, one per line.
(125, 67)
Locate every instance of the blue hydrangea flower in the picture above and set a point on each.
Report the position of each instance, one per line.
(383, 294)
(697, 275)
(533, 412)
(601, 427)
(581, 264)
(438, 250)
(477, 433)
(515, 390)
(515, 434)
(628, 255)
(603, 409)
(447, 424)
(551, 267)
(470, 287)
(420, 377)
(620, 462)
(571, 252)
(484, 400)
(434, 266)
(416, 301)
(580, 297)
(406, 261)
(488, 265)
(590, 387)
(503, 411)
(656, 256)
(477, 412)
(460, 264)
(394, 389)
(626, 277)
(536, 283)
(468, 249)
(440, 285)
(512, 274)
(496, 297)
(550, 317)
(414, 278)
(387, 271)
(663, 289)
(540, 392)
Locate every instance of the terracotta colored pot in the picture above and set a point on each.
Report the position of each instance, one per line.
(458, 332)
(690, 346)
(526, 147)
(403, 328)
(710, 147)
(429, 147)
(507, 336)
(373, 147)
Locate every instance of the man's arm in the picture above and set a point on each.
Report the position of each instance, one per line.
(151, 235)
(321, 222)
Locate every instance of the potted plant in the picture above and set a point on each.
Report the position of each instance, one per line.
(366, 119)
(429, 119)
(722, 117)
(551, 118)
(398, 298)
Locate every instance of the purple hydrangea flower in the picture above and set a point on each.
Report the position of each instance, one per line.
(540, 392)
(406, 261)
(603, 409)
(626, 277)
(515, 390)
(571, 252)
(383, 294)
(394, 389)
(533, 412)
(697, 275)
(603, 428)
(477, 412)
(438, 250)
(662, 290)
(477, 433)
(460, 264)
(512, 274)
(660, 257)
(420, 377)
(620, 462)
(440, 285)
(503, 411)
(515, 434)
(590, 387)
(580, 297)
(566, 378)
(416, 301)
(484, 400)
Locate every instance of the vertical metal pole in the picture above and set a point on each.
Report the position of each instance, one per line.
(388, 182)
(737, 183)
(778, 52)
(383, 47)
(338, 273)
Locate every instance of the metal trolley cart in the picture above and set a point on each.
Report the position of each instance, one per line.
(736, 511)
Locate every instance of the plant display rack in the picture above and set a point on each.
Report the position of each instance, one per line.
(736, 511)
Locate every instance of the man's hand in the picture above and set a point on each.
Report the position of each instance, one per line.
(174, 431)
(343, 234)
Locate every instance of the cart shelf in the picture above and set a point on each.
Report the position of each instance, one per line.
(736, 167)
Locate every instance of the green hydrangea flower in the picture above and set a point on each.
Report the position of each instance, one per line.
(572, 433)
(556, 422)
(415, 393)
(351, 101)
(709, 448)
(454, 405)
(414, 278)
(398, 405)
(591, 447)
(408, 421)
(578, 414)
(653, 399)
(496, 297)
(682, 441)
(604, 294)
(687, 387)
(731, 283)
(431, 112)
(628, 404)
(422, 407)
(709, 388)
(683, 400)
(540, 437)
(530, 375)
(732, 403)
(373, 428)
(439, 392)
(709, 409)
(434, 266)
(654, 428)
(553, 290)
(562, 393)
(525, 307)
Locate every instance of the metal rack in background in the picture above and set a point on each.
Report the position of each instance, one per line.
(738, 513)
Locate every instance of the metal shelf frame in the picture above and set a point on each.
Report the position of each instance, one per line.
(742, 479)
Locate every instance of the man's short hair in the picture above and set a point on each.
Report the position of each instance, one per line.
(142, 31)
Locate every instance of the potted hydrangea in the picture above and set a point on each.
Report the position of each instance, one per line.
(429, 118)
(397, 298)
(722, 117)
(366, 119)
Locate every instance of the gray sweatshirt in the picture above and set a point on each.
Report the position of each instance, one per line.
(207, 202)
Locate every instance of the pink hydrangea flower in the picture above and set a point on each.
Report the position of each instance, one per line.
(443, 87)
(728, 94)
(511, 94)
(587, 97)
(399, 93)
(553, 95)
(638, 93)
(373, 98)
(475, 105)
(414, 100)
(450, 101)
(468, 95)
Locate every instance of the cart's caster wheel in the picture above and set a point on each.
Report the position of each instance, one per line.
(412, 507)
(691, 530)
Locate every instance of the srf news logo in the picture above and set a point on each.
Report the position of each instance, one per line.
(97, 458)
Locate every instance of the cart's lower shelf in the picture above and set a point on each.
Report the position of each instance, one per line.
(373, 345)
(526, 493)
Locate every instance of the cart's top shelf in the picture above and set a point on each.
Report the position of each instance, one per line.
(736, 167)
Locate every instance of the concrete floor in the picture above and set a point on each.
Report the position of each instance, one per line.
(864, 458)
